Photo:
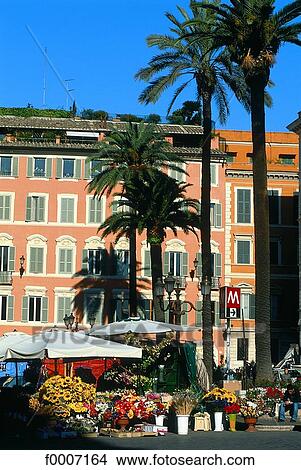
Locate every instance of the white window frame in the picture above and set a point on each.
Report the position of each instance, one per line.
(102, 211)
(59, 200)
(65, 242)
(46, 196)
(248, 239)
(36, 241)
(96, 293)
(183, 176)
(11, 166)
(12, 206)
(251, 205)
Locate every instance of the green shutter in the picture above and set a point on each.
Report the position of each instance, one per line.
(69, 261)
(198, 313)
(218, 215)
(15, 166)
(213, 173)
(10, 308)
(184, 264)
(199, 266)
(36, 260)
(48, 167)
(78, 168)
(217, 264)
(44, 317)
(25, 302)
(85, 261)
(28, 209)
(91, 210)
(60, 309)
(217, 319)
(40, 260)
(165, 263)
(87, 169)
(11, 261)
(147, 264)
(2, 207)
(41, 209)
(29, 167)
(59, 167)
(252, 306)
(166, 311)
(7, 203)
(184, 317)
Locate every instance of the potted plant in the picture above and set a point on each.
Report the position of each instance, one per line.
(183, 403)
(231, 411)
(250, 412)
(215, 401)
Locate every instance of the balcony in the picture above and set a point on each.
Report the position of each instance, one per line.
(6, 278)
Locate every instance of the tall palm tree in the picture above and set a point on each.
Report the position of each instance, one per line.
(211, 73)
(253, 33)
(133, 154)
(155, 206)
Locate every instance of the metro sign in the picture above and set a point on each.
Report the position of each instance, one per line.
(230, 302)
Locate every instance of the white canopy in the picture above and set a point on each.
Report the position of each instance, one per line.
(138, 326)
(9, 340)
(57, 344)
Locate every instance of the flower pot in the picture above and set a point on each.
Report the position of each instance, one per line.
(250, 422)
(123, 421)
(159, 420)
(89, 434)
(182, 422)
(232, 421)
(218, 421)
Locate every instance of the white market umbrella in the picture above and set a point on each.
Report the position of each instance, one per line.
(58, 344)
(10, 339)
(139, 327)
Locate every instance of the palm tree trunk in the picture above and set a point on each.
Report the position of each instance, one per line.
(156, 266)
(262, 240)
(133, 275)
(205, 235)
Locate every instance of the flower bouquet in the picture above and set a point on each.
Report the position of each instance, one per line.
(231, 411)
(217, 398)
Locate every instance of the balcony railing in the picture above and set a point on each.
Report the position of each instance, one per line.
(6, 277)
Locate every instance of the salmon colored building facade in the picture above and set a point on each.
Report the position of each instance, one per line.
(47, 217)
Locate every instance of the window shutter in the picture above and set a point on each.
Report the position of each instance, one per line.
(10, 308)
(78, 168)
(184, 317)
(69, 261)
(29, 167)
(252, 306)
(198, 313)
(28, 209)
(59, 167)
(147, 263)
(199, 266)
(2, 207)
(184, 264)
(40, 253)
(15, 166)
(87, 172)
(166, 263)
(217, 264)
(218, 215)
(91, 209)
(44, 317)
(41, 209)
(11, 261)
(213, 173)
(60, 309)
(173, 173)
(7, 202)
(25, 301)
(166, 311)
(48, 167)
(217, 320)
(85, 261)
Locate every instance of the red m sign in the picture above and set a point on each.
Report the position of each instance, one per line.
(233, 297)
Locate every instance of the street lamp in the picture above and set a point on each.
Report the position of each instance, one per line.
(91, 320)
(170, 285)
(22, 270)
(69, 321)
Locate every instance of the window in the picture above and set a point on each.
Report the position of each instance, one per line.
(117, 206)
(275, 251)
(216, 264)
(274, 206)
(231, 156)
(144, 308)
(94, 211)
(243, 207)
(68, 168)
(216, 215)
(276, 307)
(248, 305)
(250, 157)
(7, 258)
(178, 175)
(39, 169)
(213, 174)
(243, 253)
(287, 159)
(95, 168)
(6, 166)
(93, 305)
(63, 308)
(35, 209)
(176, 263)
(67, 210)
(36, 260)
(122, 262)
(34, 308)
(147, 271)
(94, 261)
(6, 308)
(242, 349)
(65, 260)
(5, 207)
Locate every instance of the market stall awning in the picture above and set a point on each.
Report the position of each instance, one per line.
(57, 344)
(139, 327)
(10, 340)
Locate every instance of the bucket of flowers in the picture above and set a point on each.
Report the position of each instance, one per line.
(215, 401)
(231, 411)
(184, 402)
(250, 412)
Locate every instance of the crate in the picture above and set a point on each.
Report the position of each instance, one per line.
(202, 422)
(122, 434)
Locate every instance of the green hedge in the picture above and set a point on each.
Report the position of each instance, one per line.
(35, 112)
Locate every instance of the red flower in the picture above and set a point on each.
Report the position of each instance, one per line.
(232, 409)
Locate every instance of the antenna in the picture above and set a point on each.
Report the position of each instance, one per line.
(44, 78)
(58, 76)
(68, 80)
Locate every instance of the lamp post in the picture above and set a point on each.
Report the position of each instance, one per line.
(69, 321)
(21, 269)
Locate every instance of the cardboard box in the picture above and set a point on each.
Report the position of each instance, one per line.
(232, 385)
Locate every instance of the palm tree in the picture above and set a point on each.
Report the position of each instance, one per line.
(156, 205)
(133, 154)
(212, 73)
(252, 33)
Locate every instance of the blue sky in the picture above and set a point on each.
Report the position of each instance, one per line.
(100, 44)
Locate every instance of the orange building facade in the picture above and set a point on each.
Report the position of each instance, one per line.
(47, 217)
